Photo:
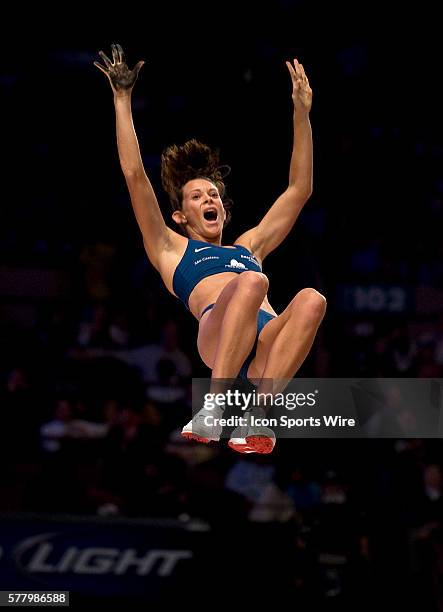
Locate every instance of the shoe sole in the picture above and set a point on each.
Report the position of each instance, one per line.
(260, 444)
(240, 445)
(190, 435)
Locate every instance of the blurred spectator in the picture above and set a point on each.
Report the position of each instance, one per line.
(430, 507)
(161, 363)
(103, 330)
(154, 359)
(17, 382)
(53, 432)
(304, 492)
(273, 505)
(249, 477)
(66, 425)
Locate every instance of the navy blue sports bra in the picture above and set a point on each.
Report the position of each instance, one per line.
(202, 259)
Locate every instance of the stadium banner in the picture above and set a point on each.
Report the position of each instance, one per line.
(98, 556)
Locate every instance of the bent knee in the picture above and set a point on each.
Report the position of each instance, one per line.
(312, 301)
(254, 282)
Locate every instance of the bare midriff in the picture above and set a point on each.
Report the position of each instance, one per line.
(207, 290)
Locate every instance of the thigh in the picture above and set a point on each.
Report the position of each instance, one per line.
(210, 323)
(265, 341)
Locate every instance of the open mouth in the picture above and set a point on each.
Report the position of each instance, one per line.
(210, 214)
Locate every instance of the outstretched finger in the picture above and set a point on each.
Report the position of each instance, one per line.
(121, 53)
(303, 73)
(297, 68)
(137, 67)
(115, 56)
(106, 59)
(102, 68)
(291, 70)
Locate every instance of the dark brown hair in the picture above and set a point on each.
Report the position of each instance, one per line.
(192, 160)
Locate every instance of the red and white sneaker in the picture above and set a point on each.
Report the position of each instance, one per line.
(204, 429)
(253, 438)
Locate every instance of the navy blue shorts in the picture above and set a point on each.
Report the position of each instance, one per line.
(262, 318)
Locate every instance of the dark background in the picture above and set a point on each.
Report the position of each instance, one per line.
(78, 294)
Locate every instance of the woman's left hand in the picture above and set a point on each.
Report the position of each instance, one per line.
(301, 91)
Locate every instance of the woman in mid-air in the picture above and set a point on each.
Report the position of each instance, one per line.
(223, 286)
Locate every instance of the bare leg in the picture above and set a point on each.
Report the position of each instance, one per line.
(294, 340)
(227, 335)
(295, 330)
(283, 346)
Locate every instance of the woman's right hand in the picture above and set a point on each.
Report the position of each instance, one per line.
(121, 78)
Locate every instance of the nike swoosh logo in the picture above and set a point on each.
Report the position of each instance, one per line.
(201, 249)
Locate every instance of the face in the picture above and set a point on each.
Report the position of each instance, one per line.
(202, 214)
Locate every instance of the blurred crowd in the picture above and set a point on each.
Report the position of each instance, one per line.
(97, 359)
(92, 410)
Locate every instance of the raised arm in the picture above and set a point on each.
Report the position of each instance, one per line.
(144, 202)
(278, 221)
